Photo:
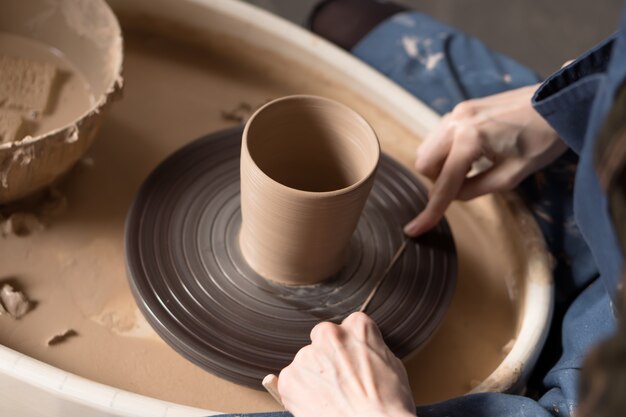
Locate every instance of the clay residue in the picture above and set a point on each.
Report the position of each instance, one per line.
(421, 50)
(239, 114)
(61, 337)
(20, 224)
(31, 216)
(14, 301)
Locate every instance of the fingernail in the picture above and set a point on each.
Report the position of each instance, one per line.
(412, 228)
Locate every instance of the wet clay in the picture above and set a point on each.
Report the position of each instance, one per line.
(174, 94)
(14, 301)
(69, 97)
(307, 167)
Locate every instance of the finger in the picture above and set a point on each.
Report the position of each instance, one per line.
(327, 351)
(326, 331)
(465, 150)
(364, 329)
(357, 319)
(368, 351)
(291, 381)
(502, 177)
(431, 154)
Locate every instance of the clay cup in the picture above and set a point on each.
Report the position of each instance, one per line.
(307, 167)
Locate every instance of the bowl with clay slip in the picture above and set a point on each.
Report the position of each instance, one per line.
(187, 64)
(60, 67)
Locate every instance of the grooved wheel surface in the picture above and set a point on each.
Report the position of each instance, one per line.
(194, 287)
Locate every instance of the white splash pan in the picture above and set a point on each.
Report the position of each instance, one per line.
(32, 388)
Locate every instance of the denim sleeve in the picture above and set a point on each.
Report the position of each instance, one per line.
(437, 63)
(575, 101)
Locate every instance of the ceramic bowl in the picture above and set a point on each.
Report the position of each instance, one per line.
(87, 33)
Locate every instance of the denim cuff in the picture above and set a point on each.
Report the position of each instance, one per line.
(566, 97)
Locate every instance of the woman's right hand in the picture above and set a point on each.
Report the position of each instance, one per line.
(504, 129)
(347, 370)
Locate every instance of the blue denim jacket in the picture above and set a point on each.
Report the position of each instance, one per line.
(575, 101)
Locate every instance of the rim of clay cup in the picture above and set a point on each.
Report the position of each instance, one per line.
(306, 193)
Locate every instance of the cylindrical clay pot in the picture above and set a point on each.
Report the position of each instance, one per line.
(307, 167)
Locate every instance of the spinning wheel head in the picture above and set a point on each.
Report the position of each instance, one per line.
(190, 280)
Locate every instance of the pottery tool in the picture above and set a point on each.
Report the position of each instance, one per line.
(194, 287)
(395, 258)
(270, 383)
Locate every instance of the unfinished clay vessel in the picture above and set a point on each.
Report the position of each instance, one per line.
(307, 167)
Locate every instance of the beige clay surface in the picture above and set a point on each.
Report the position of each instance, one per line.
(74, 269)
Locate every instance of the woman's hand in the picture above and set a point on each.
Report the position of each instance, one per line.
(504, 129)
(347, 370)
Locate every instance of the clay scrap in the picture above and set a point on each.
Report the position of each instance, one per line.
(20, 224)
(33, 214)
(61, 337)
(14, 302)
(241, 113)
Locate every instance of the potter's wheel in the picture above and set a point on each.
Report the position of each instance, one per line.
(194, 287)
